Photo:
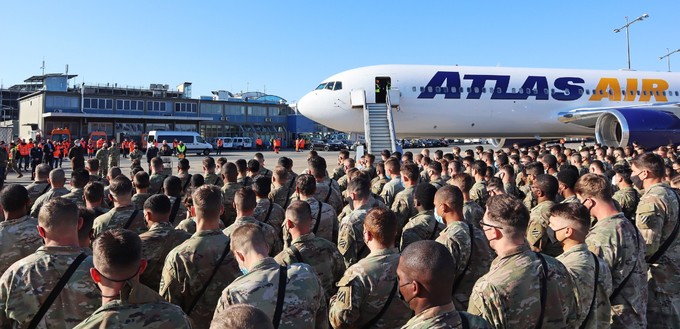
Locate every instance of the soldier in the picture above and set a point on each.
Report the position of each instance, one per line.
(531, 170)
(18, 236)
(93, 195)
(243, 178)
(242, 316)
(466, 243)
(41, 185)
(141, 184)
(522, 287)
(507, 176)
(549, 162)
(77, 156)
(14, 159)
(434, 171)
(123, 215)
(103, 157)
(283, 187)
(351, 242)
(369, 167)
(373, 200)
(209, 175)
(322, 255)
(159, 240)
(478, 191)
(327, 190)
(379, 182)
(614, 238)
(324, 220)
(403, 206)
(544, 188)
(196, 271)
(114, 154)
(57, 179)
(626, 196)
(36, 155)
(657, 218)
(92, 167)
(395, 185)
(229, 174)
(27, 284)
(348, 164)
(245, 203)
(425, 278)
(183, 174)
(366, 295)
(299, 303)
(339, 171)
(264, 172)
(79, 178)
(157, 177)
(592, 280)
(422, 226)
(126, 303)
(566, 180)
(135, 154)
(472, 211)
(172, 187)
(266, 210)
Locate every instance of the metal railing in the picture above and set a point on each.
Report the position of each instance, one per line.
(390, 122)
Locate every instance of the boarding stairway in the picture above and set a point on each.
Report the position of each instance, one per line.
(378, 122)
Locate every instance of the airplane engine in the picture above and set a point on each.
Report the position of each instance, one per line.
(649, 128)
(508, 142)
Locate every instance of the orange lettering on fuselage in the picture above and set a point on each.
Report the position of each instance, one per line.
(610, 88)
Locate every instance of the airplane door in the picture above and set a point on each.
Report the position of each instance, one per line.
(382, 84)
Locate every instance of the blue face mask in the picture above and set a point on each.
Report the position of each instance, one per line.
(439, 219)
(243, 270)
(388, 176)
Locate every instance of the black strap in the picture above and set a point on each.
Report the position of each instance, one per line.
(288, 193)
(434, 230)
(283, 280)
(269, 211)
(132, 217)
(296, 253)
(464, 323)
(544, 288)
(207, 282)
(186, 184)
(175, 210)
(592, 303)
(47, 188)
(380, 314)
(56, 291)
(671, 238)
(318, 217)
(618, 289)
(467, 265)
(328, 196)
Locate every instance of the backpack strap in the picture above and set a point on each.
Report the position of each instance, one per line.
(380, 314)
(618, 289)
(671, 238)
(296, 253)
(207, 282)
(544, 289)
(47, 188)
(467, 265)
(318, 218)
(288, 193)
(56, 290)
(132, 217)
(330, 190)
(464, 323)
(283, 280)
(592, 303)
(175, 210)
(269, 211)
(434, 231)
(186, 184)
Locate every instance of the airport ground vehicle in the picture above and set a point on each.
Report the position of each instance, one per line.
(193, 141)
(60, 135)
(97, 135)
(227, 143)
(242, 143)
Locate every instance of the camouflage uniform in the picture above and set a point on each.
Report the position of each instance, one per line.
(479, 194)
(42, 200)
(244, 181)
(138, 307)
(424, 177)
(538, 228)
(334, 198)
(264, 172)
(214, 179)
(136, 155)
(103, 157)
(364, 290)
(438, 183)
(138, 200)
(322, 255)
(509, 295)
(229, 190)
(281, 194)
(342, 183)
(628, 198)
(373, 201)
(156, 245)
(156, 183)
(189, 225)
(473, 213)
(370, 171)
(444, 317)
(422, 226)
(571, 199)
(188, 267)
(328, 227)
(580, 264)
(269, 232)
(185, 178)
(18, 238)
(338, 172)
(276, 216)
(27, 283)
(614, 239)
(97, 178)
(303, 304)
(404, 207)
(657, 215)
(75, 195)
(181, 210)
(36, 189)
(472, 264)
(117, 218)
(391, 189)
(377, 185)
(114, 156)
(511, 188)
(351, 236)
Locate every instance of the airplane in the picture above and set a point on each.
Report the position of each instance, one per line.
(507, 105)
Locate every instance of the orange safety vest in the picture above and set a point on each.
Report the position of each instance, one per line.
(24, 150)
(258, 142)
(302, 143)
(277, 143)
(57, 150)
(125, 145)
(100, 143)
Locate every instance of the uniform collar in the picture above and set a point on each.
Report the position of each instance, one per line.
(162, 226)
(512, 252)
(133, 293)
(435, 311)
(207, 232)
(306, 237)
(264, 264)
(383, 252)
(15, 221)
(617, 215)
(581, 247)
(61, 250)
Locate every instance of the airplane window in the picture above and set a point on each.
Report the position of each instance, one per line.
(468, 89)
(632, 92)
(664, 93)
(454, 89)
(338, 85)
(601, 92)
(429, 89)
(437, 89)
(644, 92)
(484, 90)
(321, 86)
(498, 90)
(521, 90)
(445, 89)
(329, 86)
(623, 92)
(476, 90)
(535, 91)
(529, 91)
(587, 91)
(638, 93)
(611, 92)
(580, 91)
(422, 89)
(657, 93)
(566, 92)
(414, 89)
(514, 90)
(676, 93)
(545, 91)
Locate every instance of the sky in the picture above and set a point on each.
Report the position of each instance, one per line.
(287, 48)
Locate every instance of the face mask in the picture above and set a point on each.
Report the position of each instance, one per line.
(552, 234)
(402, 184)
(637, 182)
(243, 270)
(388, 176)
(439, 219)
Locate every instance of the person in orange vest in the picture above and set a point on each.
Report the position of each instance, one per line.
(90, 149)
(220, 145)
(24, 151)
(125, 148)
(174, 147)
(302, 144)
(100, 143)
(277, 145)
(258, 143)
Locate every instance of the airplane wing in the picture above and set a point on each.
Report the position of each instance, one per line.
(587, 116)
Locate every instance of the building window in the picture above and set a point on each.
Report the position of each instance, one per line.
(155, 106)
(185, 107)
(98, 104)
(210, 108)
(257, 111)
(235, 110)
(129, 105)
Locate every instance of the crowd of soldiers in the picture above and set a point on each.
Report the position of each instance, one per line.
(538, 237)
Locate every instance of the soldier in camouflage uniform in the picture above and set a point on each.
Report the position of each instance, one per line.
(57, 180)
(92, 167)
(322, 255)
(303, 302)
(282, 187)
(117, 265)
(351, 242)
(123, 215)
(229, 174)
(566, 180)
(245, 203)
(172, 186)
(159, 239)
(93, 194)
(141, 185)
(348, 164)
(395, 185)
(327, 190)
(103, 157)
(188, 267)
(267, 211)
(378, 183)
(423, 263)
(79, 178)
(136, 154)
(614, 238)
(626, 196)
(478, 192)
(263, 172)
(184, 175)
(242, 316)
(657, 218)
(532, 170)
(472, 211)
(539, 236)
(40, 186)
(466, 243)
(157, 177)
(339, 171)
(114, 155)
(365, 289)
(209, 175)
(328, 224)
(571, 222)
(403, 205)
(18, 236)
(25, 286)
(509, 296)
(422, 226)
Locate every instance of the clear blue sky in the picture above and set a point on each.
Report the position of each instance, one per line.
(290, 46)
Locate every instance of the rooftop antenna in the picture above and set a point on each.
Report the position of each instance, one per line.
(43, 66)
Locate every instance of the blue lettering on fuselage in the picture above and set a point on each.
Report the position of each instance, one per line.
(449, 85)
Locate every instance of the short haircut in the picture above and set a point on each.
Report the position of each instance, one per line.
(117, 253)
(253, 166)
(157, 163)
(547, 184)
(424, 194)
(593, 186)
(285, 162)
(317, 166)
(245, 199)
(624, 171)
(509, 212)
(306, 184)
(94, 192)
(221, 161)
(410, 170)
(241, 165)
(183, 164)
(463, 181)
(248, 237)
(207, 201)
(534, 168)
(300, 213)
(451, 196)
(209, 162)
(57, 176)
(281, 173)
(114, 172)
(158, 204)
(344, 154)
(59, 214)
(598, 164)
(361, 186)
(479, 166)
(575, 213)
(652, 163)
(436, 167)
(197, 181)
(172, 186)
(495, 183)
(120, 186)
(14, 197)
(262, 186)
(230, 172)
(550, 161)
(141, 180)
(370, 158)
(382, 224)
(380, 168)
(80, 178)
(568, 177)
(42, 171)
(430, 262)
(393, 165)
(92, 164)
(88, 216)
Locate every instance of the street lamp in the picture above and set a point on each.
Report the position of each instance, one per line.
(627, 37)
(668, 56)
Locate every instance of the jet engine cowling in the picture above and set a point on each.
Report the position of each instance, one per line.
(650, 128)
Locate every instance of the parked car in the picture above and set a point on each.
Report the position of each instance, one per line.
(334, 145)
(317, 144)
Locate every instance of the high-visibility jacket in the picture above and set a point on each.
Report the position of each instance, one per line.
(100, 143)
(220, 142)
(277, 143)
(125, 145)
(258, 142)
(24, 150)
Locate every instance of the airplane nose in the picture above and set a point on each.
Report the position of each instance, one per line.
(305, 105)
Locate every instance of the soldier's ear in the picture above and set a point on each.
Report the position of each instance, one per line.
(41, 232)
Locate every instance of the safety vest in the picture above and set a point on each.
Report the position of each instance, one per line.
(100, 143)
(277, 143)
(181, 148)
(220, 142)
(258, 142)
(124, 145)
(24, 150)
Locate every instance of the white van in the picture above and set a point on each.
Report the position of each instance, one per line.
(241, 143)
(227, 142)
(193, 141)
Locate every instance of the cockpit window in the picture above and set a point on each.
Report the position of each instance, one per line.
(338, 85)
(321, 86)
(329, 86)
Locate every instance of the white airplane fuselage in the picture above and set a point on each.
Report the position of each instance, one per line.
(458, 101)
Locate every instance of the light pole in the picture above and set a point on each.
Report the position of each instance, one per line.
(627, 37)
(668, 56)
